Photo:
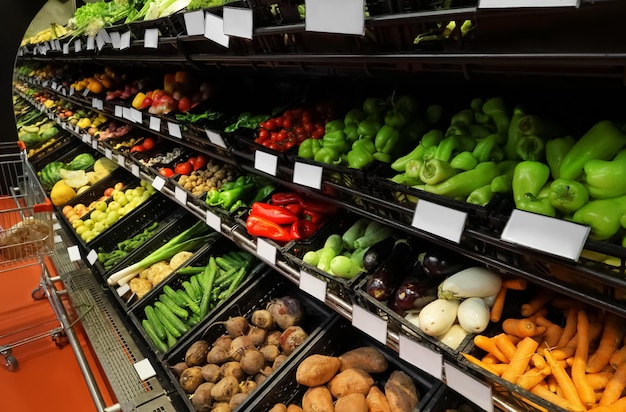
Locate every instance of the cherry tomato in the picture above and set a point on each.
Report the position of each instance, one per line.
(317, 134)
(137, 149)
(264, 134)
(183, 168)
(287, 123)
(308, 127)
(167, 172)
(271, 124)
(279, 122)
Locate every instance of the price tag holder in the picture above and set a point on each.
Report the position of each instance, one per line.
(125, 40)
(266, 251)
(56, 226)
(470, 388)
(155, 123)
(369, 323)
(214, 29)
(135, 115)
(108, 153)
(58, 239)
(116, 40)
(92, 256)
(126, 113)
(151, 38)
(180, 194)
(308, 175)
(94, 102)
(331, 16)
(144, 369)
(72, 91)
(104, 35)
(121, 160)
(90, 43)
(57, 44)
(439, 220)
(215, 138)
(174, 130)
(100, 41)
(421, 357)
(86, 138)
(73, 253)
(213, 221)
(546, 234)
(122, 290)
(85, 92)
(94, 144)
(119, 111)
(238, 22)
(313, 286)
(158, 183)
(77, 46)
(507, 4)
(265, 162)
(134, 168)
(194, 23)
(54, 85)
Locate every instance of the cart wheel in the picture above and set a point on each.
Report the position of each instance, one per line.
(10, 362)
(59, 339)
(38, 294)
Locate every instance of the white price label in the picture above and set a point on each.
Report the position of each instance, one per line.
(85, 92)
(92, 256)
(90, 43)
(265, 162)
(73, 253)
(100, 41)
(180, 194)
(104, 35)
(144, 369)
(307, 175)
(136, 116)
(213, 221)
(86, 138)
(546, 234)
(54, 85)
(119, 111)
(94, 102)
(77, 131)
(122, 290)
(194, 23)
(439, 220)
(94, 144)
(56, 226)
(422, 357)
(214, 29)
(126, 113)
(151, 38)
(72, 90)
(174, 130)
(121, 160)
(313, 286)
(77, 46)
(135, 169)
(64, 91)
(266, 251)
(215, 138)
(158, 183)
(369, 323)
(507, 4)
(155, 123)
(125, 40)
(58, 239)
(108, 153)
(57, 44)
(472, 389)
(116, 40)
(238, 22)
(331, 16)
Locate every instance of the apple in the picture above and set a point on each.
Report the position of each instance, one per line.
(108, 191)
(101, 205)
(99, 226)
(87, 234)
(111, 218)
(119, 186)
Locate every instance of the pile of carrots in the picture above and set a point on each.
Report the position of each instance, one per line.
(578, 364)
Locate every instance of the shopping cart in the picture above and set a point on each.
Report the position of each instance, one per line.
(26, 236)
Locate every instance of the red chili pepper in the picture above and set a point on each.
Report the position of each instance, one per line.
(314, 217)
(276, 214)
(295, 208)
(285, 198)
(302, 229)
(259, 226)
(316, 205)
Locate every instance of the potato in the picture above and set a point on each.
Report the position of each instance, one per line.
(317, 399)
(279, 360)
(401, 392)
(247, 386)
(252, 361)
(190, 379)
(294, 408)
(354, 402)
(221, 407)
(269, 352)
(368, 358)
(179, 368)
(317, 370)
(225, 389)
(350, 381)
(196, 354)
(210, 372)
(377, 401)
(263, 374)
(257, 335)
(202, 400)
(279, 407)
(232, 369)
(237, 400)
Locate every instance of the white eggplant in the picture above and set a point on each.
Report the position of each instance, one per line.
(474, 282)
(453, 337)
(489, 300)
(473, 315)
(438, 316)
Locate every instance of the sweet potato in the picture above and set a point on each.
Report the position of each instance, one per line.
(279, 407)
(350, 381)
(202, 400)
(401, 392)
(190, 379)
(225, 389)
(377, 401)
(316, 370)
(354, 402)
(317, 399)
(370, 359)
(294, 408)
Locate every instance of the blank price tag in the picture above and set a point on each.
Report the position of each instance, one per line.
(238, 22)
(439, 220)
(94, 102)
(144, 369)
(90, 43)
(313, 286)
(136, 116)
(122, 290)
(77, 46)
(73, 253)
(54, 85)
(472, 389)
(86, 138)
(507, 4)
(158, 183)
(104, 35)
(369, 323)
(194, 22)
(180, 194)
(134, 169)
(57, 44)
(213, 221)
(92, 256)
(307, 175)
(332, 16)
(119, 111)
(126, 113)
(121, 160)
(266, 251)
(100, 41)
(265, 162)
(151, 38)
(108, 153)
(94, 144)
(174, 130)
(72, 90)
(155, 123)
(546, 234)
(56, 226)
(422, 357)
(214, 29)
(85, 92)
(215, 138)
(116, 40)
(125, 40)
(58, 239)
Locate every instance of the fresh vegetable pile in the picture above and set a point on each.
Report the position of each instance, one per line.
(247, 120)
(199, 176)
(115, 256)
(240, 193)
(180, 93)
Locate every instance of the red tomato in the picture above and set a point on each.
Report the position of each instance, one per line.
(137, 149)
(199, 162)
(148, 143)
(287, 123)
(317, 134)
(264, 134)
(279, 121)
(271, 124)
(184, 104)
(184, 168)
(167, 172)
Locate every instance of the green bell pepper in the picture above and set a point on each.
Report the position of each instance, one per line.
(334, 126)
(354, 117)
(463, 183)
(412, 133)
(531, 147)
(396, 119)
(386, 139)
(368, 128)
(495, 108)
(603, 216)
(435, 171)
(432, 138)
(367, 144)
(351, 133)
(434, 113)
(337, 141)
(568, 195)
(477, 105)
(327, 155)
(399, 165)
(413, 168)
(601, 142)
(556, 149)
(481, 196)
(374, 105)
(464, 161)
(464, 117)
(359, 156)
(405, 104)
(308, 148)
(514, 134)
(528, 179)
(606, 178)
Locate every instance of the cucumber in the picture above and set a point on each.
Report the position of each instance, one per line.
(354, 232)
(147, 326)
(154, 321)
(177, 310)
(190, 291)
(171, 340)
(197, 287)
(171, 317)
(177, 298)
(189, 302)
(169, 328)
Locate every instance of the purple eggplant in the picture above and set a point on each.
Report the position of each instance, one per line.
(439, 262)
(415, 293)
(377, 253)
(386, 278)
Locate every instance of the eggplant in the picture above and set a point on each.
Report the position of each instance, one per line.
(377, 253)
(415, 293)
(386, 278)
(440, 262)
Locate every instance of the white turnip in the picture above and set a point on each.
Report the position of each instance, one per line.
(263, 319)
(286, 311)
(273, 338)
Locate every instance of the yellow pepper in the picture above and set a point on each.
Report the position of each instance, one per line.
(138, 100)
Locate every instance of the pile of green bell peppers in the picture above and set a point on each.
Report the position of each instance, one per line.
(242, 192)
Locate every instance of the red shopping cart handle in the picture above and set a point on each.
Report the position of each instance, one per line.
(46, 206)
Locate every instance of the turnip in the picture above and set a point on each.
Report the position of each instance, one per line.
(237, 400)
(202, 400)
(237, 326)
(197, 353)
(210, 372)
(262, 318)
(239, 346)
(232, 369)
(286, 311)
(270, 352)
(252, 361)
(257, 335)
(178, 369)
(190, 379)
(291, 338)
(218, 355)
(279, 360)
(273, 338)
(263, 374)
(247, 386)
(223, 341)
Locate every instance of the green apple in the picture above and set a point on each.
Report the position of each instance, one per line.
(101, 205)
(117, 194)
(88, 223)
(86, 235)
(114, 206)
(81, 229)
(97, 216)
(122, 200)
(111, 218)
(99, 226)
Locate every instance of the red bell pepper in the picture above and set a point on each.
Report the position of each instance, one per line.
(259, 226)
(276, 214)
(302, 229)
(285, 198)
(295, 208)
(315, 217)
(316, 205)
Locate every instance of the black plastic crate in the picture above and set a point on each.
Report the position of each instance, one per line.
(337, 338)
(256, 296)
(44, 156)
(447, 399)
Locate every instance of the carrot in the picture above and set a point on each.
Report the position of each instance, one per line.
(601, 409)
(505, 345)
(488, 345)
(611, 337)
(515, 284)
(499, 368)
(585, 391)
(520, 360)
(569, 349)
(565, 382)
(553, 331)
(619, 405)
(570, 327)
(538, 361)
(490, 359)
(552, 383)
(615, 386)
(520, 327)
(563, 302)
(498, 305)
(514, 339)
(541, 298)
(618, 357)
(544, 393)
(598, 380)
(480, 363)
(531, 378)
(541, 312)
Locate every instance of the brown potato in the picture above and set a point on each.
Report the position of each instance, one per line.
(270, 352)
(196, 354)
(279, 407)
(401, 392)
(221, 407)
(317, 399)
(294, 408)
(237, 400)
(377, 401)
(279, 360)
(190, 379)
(350, 381)
(248, 386)
(317, 370)
(368, 358)
(217, 355)
(223, 341)
(202, 400)
(225, 389)
(354, 402)
(210, 372)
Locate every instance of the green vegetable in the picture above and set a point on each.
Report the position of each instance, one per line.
(335, 140)
(354, 232)
(386, 139)
(368, 129)
(568, 195)
(332, 247)
(603, 216)
(435, 171)
(354, 117)
(556, 149)
(308, 148)
(334, 126)
(172, 306)
(399, 165)
(165, 321)
(327, 155)
(464, 161)
(82, 161)
(177, 298)
(414, 168)
(514, 134)
(446, 147)
(174, 320)
(209, 274)
(359, 156)
(374, 233)
(311, 258)
(434, 113)
(497, 110)
(463, 183)
(464, 117)
(396, 119)
(606, 178)
(154, 321)
(344, 267)
(158, 342)
(487, 149)
(528, 179)
(531, 147)
(481, 196)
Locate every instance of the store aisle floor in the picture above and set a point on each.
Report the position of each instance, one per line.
(48, 378)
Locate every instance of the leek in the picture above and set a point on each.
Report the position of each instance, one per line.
(190, 239)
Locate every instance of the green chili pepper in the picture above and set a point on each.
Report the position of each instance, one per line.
(334, 126)
(568, 195)
(534, 125)
(481, 196)
(603, 216)
(263, 192)
(464, 161)
(399, 165)
(502, 183)
(327, 155)
(413, 168)
(403, 179)
(382, 157)
(229, 197)
(485, 148)
(497, 110)
(556, 149)
(477, 105)
(606, 178)
(354, 117)
(463, 183)
(386, 139)
(432, 138)
(446, 147)
(435, 171)
(359, 156)
(464, 117)
(213, 197)
(479, 132)
(513, 135)
(308, 148)
(528, 179)
(531, 147)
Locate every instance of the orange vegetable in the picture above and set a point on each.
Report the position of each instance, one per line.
(505, 345)
(614, 387)
(611, 337)
(488, 345)
(538, 361)
(520, 360)
(541, 312)
(545, 393)
(553, 331)
(490, 359)
(570, 327)
(498, 305)
(531, 378)
(565, 382)
(541, 298)
(618, 357)
(598, 380)
(520, 327)
(515, 284)
(480, 363)
(585, 391)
